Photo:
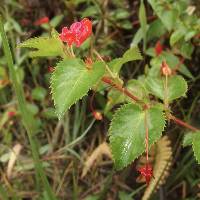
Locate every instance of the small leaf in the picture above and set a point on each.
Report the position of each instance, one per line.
(177, 87)
(120, 14)
(196, 145)
(156, 30)
(176, 36)
(32, 108)
(45, 46)
(71, 80)
(130, 55)
(137, 38)
(39, 93)
(127, 132)
(167, 16)
(49, 113)
(143, 22)
(186, 49)
(187, 140)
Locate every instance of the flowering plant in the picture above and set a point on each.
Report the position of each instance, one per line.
(145, 110)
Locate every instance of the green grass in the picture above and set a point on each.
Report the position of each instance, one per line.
(27, 118)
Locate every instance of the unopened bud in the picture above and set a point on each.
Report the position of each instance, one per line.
(97, 115)
(165, 69)
(11, 113)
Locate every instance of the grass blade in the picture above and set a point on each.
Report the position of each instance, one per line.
(26, 116)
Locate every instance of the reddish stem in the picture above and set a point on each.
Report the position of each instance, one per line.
(146, 138)
(129, 94)
(120, 88)
(182, 123)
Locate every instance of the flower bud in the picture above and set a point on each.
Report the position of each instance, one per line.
(165, 69)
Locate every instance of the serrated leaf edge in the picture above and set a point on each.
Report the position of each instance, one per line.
(198, 161)
(114, 115)
(52, 92)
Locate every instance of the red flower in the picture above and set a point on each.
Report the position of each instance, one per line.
(67, 36)
(158, 48)
(147, 172)
(41, 21)
(78, 32)
(11, 114)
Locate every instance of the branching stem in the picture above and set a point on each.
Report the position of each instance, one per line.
(120, 88)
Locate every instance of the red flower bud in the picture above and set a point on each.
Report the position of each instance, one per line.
(146, 172)
(158, 48)
(165, 69)
(11, 114)
(51, 69)
(78, 32)
(97, 115)
(41, 21)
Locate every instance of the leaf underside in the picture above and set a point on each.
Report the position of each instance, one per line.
(127, 132)
(71, 81)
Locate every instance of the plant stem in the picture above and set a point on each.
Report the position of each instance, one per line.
(146, 136)
(27, 118)
(166, 103)
(182, 123)
(120, 88)
(136, 99)
(107, 68)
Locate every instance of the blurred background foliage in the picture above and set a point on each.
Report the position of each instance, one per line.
(65, 145)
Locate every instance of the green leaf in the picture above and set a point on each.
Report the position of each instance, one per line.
(130, 55)
(187, 140)
(119, 14)
(167, 16)
(32, 108)
(45, 46)
(124, 196)
(127, 132)
(186, 49)
(71, 80)
(137, 38)
(116, 97)
(172, 60)
(156, 30)
(143, 22)
(176, 36)
(177, 87)
(196, 145)
(49, 113)
(39, 93)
